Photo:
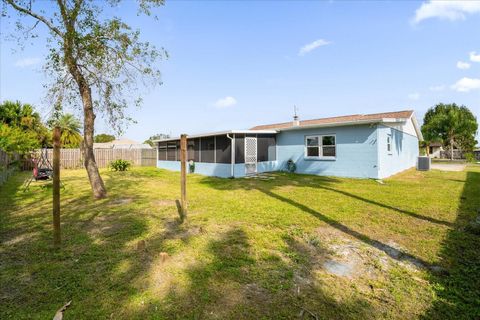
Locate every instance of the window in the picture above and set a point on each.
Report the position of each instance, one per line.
(389, 143)
(266, 148)
(190, 149)
(162, 151)
(239, 148)
(207, 147)
(223, 151)
(320, 147)
(172, 151)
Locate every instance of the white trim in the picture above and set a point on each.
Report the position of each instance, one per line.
(417, 126)
(320, 147)
(246, 155)
(220, 133)
(346, 123)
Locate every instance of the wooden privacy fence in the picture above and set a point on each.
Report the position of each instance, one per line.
(73, 158)
(5, 170)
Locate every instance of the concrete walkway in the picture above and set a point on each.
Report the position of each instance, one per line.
(448, 166)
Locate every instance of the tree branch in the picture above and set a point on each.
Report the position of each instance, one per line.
(36, 16)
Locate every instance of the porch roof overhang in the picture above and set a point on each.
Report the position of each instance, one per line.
(220, 133)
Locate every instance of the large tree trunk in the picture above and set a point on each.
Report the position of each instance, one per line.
(96, 181)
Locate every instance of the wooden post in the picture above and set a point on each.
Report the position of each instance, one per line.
(56, 186)
(183, 170)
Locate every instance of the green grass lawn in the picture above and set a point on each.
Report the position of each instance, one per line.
(280, 246)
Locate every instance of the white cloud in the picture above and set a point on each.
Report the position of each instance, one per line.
(27, 62)
(437, 88)
(414, 96)
(466, 85)
(447, 10)
(312, 46)
(474, 56)
(463, 65)
(225, 102)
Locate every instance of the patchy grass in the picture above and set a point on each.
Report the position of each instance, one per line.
(281, 246)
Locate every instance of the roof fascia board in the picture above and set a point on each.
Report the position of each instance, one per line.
(210, 134)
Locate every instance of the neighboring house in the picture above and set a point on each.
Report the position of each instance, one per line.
(121, 144)
(361, 146)
(434, 149)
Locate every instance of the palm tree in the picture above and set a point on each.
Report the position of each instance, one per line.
(70, 127)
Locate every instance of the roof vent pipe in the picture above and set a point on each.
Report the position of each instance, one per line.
(296, 122)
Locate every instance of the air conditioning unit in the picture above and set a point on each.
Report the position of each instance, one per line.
(424, 163)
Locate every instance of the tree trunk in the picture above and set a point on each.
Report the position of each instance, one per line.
(451, 149)
(96, 181)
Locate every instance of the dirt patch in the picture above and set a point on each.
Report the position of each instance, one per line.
(164, 203)
(121, 201)
(104, 225)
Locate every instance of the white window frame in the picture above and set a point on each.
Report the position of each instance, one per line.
(320, 147)
(389, 144)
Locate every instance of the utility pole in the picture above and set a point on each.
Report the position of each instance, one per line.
(56, 186)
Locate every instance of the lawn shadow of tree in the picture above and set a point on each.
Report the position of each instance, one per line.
(98, 262)
(458, 291)
(327, 183)
(238, 283)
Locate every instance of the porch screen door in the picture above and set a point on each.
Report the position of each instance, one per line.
(250, 155)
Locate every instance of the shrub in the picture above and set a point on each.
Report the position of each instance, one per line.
(291, 166)
(191, 166)
(120, 165)
(470, 157)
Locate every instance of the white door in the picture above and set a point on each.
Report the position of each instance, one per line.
(250, 155)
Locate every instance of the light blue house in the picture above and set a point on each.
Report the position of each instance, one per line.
(360, 146)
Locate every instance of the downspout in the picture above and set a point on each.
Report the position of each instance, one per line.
(232, 161)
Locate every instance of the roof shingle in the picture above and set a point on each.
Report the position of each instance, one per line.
(341, 119)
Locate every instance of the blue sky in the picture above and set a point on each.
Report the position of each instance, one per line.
(234, 65)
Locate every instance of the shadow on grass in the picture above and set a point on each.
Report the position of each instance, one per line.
(458, 293)
(97, 264)
(326, 183)
(237, 283)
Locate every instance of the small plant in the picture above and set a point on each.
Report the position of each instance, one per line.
(470, 157)
(291, 166)
(120, 165)
(191, 166)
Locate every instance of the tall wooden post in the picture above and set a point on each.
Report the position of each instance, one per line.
(56, 186)
(183, 170)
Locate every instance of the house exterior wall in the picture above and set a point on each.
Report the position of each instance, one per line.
(356, 151)
(403, 154)
(361, 152)
(435, 152)
(218, 169)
